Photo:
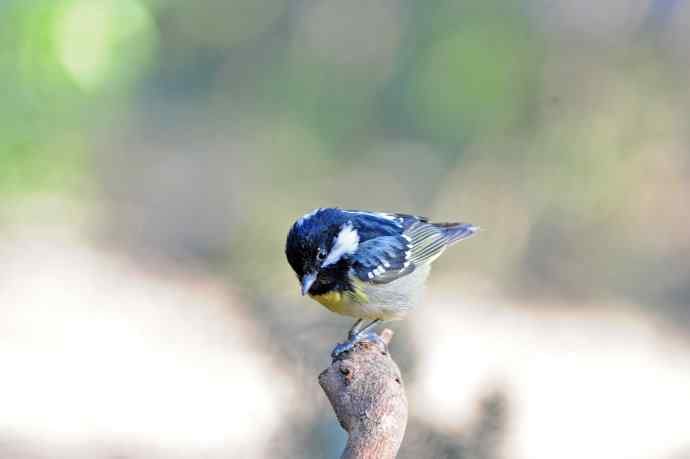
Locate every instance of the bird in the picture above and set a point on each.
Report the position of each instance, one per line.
(372, 266)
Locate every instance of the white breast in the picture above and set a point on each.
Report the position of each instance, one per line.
(393, 300)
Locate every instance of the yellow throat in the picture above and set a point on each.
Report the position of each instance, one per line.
(348, 303)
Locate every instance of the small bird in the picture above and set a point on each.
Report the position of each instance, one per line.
(368, 265)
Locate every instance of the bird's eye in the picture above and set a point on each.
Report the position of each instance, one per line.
(321, 255)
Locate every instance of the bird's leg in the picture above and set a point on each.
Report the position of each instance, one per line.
(360, 335)
(355, 329)
(368, 327)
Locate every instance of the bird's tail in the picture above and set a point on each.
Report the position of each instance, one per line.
(456, 232)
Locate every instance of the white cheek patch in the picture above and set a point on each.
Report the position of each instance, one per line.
(345, 243)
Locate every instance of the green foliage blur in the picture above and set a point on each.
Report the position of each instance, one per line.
(565, 139)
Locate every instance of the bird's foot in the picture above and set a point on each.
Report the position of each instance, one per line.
(349, 345)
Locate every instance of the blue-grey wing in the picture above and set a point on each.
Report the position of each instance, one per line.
(382, 259)
(407, 220)
(392, 245)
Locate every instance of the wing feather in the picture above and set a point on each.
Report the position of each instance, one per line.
(385, 258)
(429, 240)
(382, 259)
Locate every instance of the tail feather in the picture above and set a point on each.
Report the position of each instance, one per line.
(456, 232)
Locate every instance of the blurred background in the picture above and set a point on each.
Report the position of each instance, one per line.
(153, 154)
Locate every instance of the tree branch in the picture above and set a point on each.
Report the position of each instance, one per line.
(366, 391)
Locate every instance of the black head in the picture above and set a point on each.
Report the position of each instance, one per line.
(317, 247)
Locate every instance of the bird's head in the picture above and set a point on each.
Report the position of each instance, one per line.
(317, 248)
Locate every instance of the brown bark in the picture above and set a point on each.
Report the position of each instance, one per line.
(366, 391)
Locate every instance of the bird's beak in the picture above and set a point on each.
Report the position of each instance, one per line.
(307, 282)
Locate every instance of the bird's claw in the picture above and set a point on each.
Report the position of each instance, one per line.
(348, 345)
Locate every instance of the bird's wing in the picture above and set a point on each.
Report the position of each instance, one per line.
(392, 245)
(383, 259)
(408, 220)
(428, 240)
(371, 225)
